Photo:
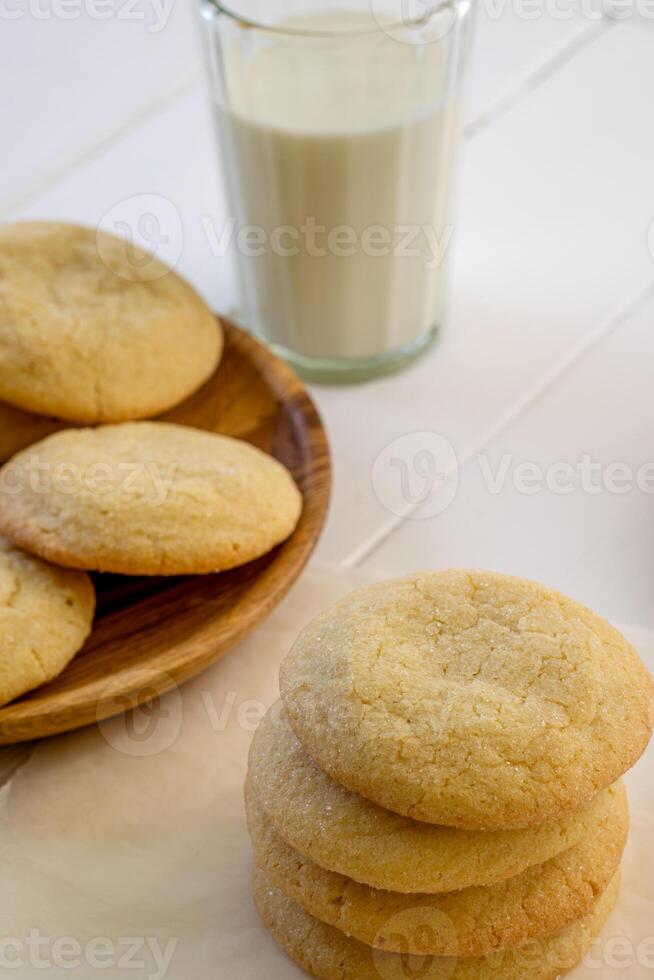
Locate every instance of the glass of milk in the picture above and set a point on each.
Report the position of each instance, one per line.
(337, 128)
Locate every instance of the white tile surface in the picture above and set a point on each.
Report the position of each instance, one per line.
(548, 243)
(509, 49)
(597, 546)
(69, 84)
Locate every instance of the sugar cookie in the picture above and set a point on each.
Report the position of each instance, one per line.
(147, 498)
(46, 614)
(94, 330)
(470, 699)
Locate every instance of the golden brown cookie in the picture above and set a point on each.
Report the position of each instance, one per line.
(470, 699)
(328, 954)
(147, 498)
(346, 833)
(540, 902)
(94, 330)
(46, 614)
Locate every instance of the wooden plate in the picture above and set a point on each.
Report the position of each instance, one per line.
(152, 634)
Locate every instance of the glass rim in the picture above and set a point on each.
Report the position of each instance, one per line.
(250, 23)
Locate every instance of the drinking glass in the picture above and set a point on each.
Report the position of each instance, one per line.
(337, 127)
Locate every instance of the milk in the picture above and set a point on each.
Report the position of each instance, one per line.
(338, 155)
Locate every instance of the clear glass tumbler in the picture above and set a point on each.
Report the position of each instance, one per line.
(337, 129)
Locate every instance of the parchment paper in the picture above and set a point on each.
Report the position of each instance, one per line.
(124, 851)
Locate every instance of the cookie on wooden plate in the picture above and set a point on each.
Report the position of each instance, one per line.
(539, 902)
(329, 954)
(346, 833)
(147, 498)
(467, 698)
(94, 330)
(46, 614)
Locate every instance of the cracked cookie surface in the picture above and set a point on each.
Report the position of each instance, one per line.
(94, 330)
(539, 902)
(147, 498)
(346, 833)
(328, 954)
(467, 698)
(46, 614)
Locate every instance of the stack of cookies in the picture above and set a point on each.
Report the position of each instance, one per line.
(93, 331)
(438, 793)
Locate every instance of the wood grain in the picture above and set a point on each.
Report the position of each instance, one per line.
(152, 634)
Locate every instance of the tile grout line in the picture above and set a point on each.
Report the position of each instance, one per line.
(537, 75)
(550, 379)
(23, 198)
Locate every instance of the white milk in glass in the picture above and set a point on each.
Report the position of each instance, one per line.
(340, 160)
